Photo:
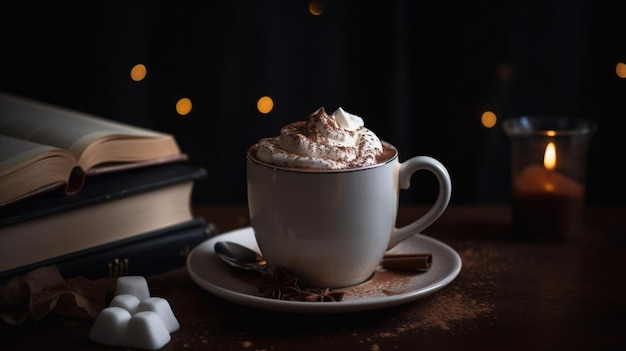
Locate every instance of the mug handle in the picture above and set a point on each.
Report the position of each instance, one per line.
(406, 170)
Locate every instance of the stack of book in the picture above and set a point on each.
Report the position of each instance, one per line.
(92, 196)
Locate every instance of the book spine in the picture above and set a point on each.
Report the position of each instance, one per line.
(143, 257)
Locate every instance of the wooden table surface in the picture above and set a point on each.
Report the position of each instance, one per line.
(509, 295)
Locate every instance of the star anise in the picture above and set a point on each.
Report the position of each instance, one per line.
(283, 286)
(322, 295)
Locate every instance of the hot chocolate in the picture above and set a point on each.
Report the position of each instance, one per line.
(323, 197)
(324, 142)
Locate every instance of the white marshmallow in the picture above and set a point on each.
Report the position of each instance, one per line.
(133, 285)
(110, 325)
(126, 301)
(145, 330)
(134, 319)
(162, 308)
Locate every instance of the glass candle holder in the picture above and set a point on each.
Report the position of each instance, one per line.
(549, 169)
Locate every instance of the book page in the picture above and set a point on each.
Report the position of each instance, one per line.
(14, 151)
(27, 168)
(57, 126)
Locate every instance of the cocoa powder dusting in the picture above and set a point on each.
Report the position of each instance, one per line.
(387, 154)
(452, 308)
(455, 306)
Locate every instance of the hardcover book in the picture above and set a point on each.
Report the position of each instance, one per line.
(111, 207)
(150, 253)
(46, 146)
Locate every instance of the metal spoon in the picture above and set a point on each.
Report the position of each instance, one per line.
(243, 257)
(240, 256)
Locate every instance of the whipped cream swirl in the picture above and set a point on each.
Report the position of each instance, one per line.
(337, 141)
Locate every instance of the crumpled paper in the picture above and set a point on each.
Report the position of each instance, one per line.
(43, 291)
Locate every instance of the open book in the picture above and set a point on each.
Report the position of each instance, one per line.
(44, 147)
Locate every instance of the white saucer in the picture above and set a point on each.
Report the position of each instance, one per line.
(385, 289)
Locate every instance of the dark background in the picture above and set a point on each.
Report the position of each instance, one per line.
(419, 73)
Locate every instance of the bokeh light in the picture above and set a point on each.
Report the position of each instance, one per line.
(265, 104)
(138, 72)
(488, 119)
(183, 106)
(316, 7)
(620, 69)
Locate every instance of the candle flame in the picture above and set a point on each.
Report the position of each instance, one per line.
(549, 158)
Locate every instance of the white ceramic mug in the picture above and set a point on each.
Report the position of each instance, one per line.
(332, 228)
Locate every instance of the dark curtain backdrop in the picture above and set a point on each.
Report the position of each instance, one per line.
(420, 74)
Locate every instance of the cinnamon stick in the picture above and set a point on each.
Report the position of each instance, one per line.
(413, 262)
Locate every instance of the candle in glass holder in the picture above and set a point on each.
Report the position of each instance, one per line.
(547, 205)
(549, 160)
